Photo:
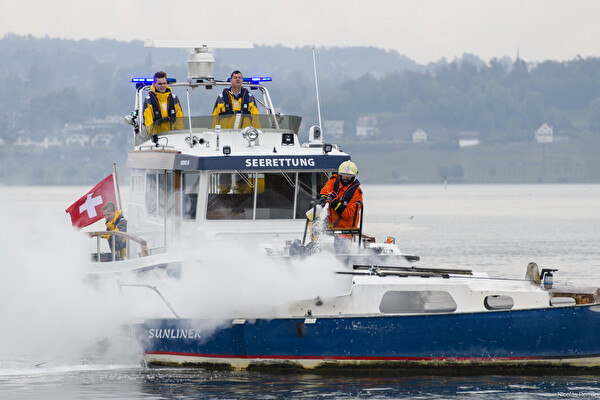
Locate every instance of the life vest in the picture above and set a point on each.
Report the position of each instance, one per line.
(156, 106)
(112, 225)
(120, 242)
(244, 95)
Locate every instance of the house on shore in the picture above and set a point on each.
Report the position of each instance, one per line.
(544, 134)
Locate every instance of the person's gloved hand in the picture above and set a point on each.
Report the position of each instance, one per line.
(326, 199)
(334, 204)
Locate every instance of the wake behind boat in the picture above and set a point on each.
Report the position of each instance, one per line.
(218, 180)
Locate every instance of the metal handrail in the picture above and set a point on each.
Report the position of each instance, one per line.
(154, 288)
(267, 103)
(351, 231)
(345, 231)
(113, 234)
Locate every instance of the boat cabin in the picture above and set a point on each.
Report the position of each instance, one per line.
(222, 174)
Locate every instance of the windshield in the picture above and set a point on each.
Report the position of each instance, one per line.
(277, 195)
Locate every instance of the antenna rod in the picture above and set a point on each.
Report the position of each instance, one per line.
(317, 87)
(187, 91)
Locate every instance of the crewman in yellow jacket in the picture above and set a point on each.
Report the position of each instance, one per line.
(233, 101)
(162, 111)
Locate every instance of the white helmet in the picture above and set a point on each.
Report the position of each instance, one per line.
(348, 168)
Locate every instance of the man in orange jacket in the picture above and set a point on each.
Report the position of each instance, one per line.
(342, 192)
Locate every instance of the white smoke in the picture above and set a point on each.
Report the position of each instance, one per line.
(232, 280)
(47, 309)
(52, 311)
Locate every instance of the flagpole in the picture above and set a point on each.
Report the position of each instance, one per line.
(117, 185)
(166, 209)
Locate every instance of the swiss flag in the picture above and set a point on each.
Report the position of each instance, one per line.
(88, 209)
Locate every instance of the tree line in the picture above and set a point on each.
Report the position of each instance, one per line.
(501, 104)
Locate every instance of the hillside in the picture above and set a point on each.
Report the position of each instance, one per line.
(58, 87)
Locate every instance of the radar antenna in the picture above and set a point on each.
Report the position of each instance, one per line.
(201, 62)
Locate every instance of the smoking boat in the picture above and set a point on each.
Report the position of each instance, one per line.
(249, 176)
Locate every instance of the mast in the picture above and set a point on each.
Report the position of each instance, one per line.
(317, 88)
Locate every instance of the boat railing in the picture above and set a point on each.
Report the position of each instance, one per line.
(153, 288)
(113, 236)
(207, 123)
(355, 233)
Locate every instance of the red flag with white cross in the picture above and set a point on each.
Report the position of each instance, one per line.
(88, 209)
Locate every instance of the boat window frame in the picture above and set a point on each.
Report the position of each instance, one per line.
(168, 181)
(287, 175)
(190, 196)
(493, 302)
(560, 301)
(400, 301)
(169, 197)
(151, 176)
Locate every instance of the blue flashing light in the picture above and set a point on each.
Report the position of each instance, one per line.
(149, 81)
(255, 79)
(142, 80)
(258, 79)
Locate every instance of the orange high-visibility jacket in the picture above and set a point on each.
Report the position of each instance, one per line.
(345, 215)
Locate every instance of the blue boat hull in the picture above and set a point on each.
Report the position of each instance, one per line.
(552, 336)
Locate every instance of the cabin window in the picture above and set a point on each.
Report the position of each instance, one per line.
(137, 184)
(426, 301)
(276, 200)
(276, 195)
(562, 301)
(155, 194)
(191, 183)
(161, 194)
(498, 302)
(151, 194)
(309, 186)
(231, 195)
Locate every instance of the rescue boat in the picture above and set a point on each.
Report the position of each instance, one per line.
(215, 179)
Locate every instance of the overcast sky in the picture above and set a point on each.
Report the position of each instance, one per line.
(424, 30)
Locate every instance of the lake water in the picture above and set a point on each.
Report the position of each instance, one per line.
(494, 228)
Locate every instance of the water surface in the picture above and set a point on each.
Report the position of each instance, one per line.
(494, 228)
